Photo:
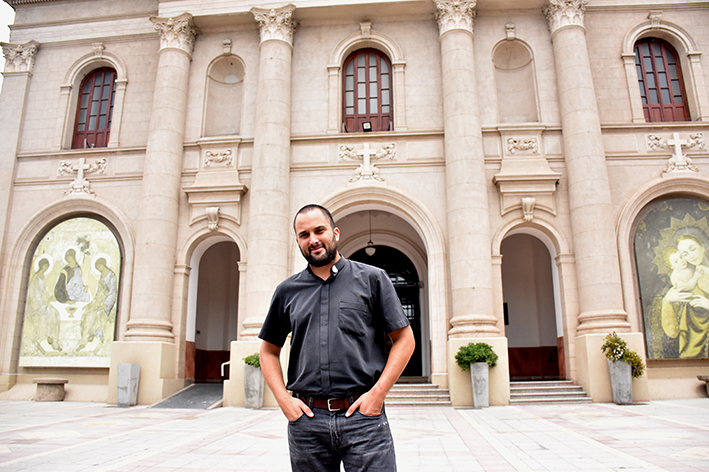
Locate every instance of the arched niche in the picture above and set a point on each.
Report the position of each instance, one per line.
(224, 97)
(515, 83)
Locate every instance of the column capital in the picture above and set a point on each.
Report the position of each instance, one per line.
(276, 23)
(562, 13)
(455, 14)
(177, 33)
(19, 57)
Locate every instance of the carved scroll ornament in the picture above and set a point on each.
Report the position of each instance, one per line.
(19, 57)
(560, 13)
(455, 14)
(276, 23)
(178, 32)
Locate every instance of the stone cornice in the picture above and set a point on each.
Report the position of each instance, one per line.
(276, 23)
(178, 32)
(455, 14)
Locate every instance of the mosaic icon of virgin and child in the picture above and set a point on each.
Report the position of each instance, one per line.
(69, 295)
(685, 306)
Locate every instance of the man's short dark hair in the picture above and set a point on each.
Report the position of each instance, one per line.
(315, 206)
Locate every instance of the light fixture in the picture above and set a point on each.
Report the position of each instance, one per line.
(367, 126)
(370, 249)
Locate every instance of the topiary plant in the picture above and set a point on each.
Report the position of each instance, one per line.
(616, 349)
(475, 352)
(253, 360)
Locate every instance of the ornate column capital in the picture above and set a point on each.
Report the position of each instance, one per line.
(178, 32)
(19, 57)
(562, 13)
(276, 23)
(455, 14)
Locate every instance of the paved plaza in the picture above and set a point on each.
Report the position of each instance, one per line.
(671, 435)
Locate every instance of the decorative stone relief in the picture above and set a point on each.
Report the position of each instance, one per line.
(276, 23)
(511, 33)
(19, 57)
(80, 184)
(528, 207)
(655, 17)
(216, 192)
(515, 144)
(455, 14)
(562, 13)
(367, 171)
(212, 218)
(225, 157)
(525, 179)
(366, 29)
(178, 32)
(98, 49)
(226, 46)
(678, 162)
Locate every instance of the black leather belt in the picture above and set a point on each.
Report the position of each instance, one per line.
(330, 404)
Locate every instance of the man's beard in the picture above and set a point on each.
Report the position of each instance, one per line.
(324, 259)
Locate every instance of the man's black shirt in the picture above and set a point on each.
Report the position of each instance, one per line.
(338, 326)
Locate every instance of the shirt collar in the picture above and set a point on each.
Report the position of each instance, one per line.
(334, 270)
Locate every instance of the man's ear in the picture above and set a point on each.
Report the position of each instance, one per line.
(336, 231)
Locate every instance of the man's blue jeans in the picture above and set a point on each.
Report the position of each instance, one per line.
(362, 443)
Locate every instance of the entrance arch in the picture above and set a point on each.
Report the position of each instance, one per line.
(212, 313)
(429, 257)
(401, 253)
(406, 282)
(530, 302)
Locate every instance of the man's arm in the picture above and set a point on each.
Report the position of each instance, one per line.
(269, 357)
(403, 346)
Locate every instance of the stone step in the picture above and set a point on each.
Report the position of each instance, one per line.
(418, 394)
(545, 392)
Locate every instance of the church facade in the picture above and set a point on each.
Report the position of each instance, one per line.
(530, 173)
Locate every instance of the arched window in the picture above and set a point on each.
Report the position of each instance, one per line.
(95, 109)
(368, 92)
(660, 79)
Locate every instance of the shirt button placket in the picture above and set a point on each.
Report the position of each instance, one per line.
(324, 328)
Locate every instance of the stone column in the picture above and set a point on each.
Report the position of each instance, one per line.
(19, 61)
(466, 184)
(156, 233)
(269, 220)
(598, 272)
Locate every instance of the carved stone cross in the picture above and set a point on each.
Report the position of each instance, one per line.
(367, 171)
(80, 184)
(679, 162)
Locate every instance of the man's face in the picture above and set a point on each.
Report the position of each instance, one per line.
(316, 239)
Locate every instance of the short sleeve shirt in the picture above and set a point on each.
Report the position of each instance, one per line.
(338, 328)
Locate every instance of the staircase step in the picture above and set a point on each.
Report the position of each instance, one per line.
(545, 392)
(418, 394)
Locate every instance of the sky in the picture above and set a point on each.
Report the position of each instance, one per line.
(7, 15)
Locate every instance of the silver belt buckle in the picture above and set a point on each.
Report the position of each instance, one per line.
(329, 407)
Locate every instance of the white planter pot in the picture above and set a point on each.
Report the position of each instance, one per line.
(253, 387)
(621, 382)
(480, 378)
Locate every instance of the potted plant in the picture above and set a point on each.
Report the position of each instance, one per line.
(253, 382)
(624, 365)
(478, 357)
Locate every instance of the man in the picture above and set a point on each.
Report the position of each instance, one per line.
(338, 313)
